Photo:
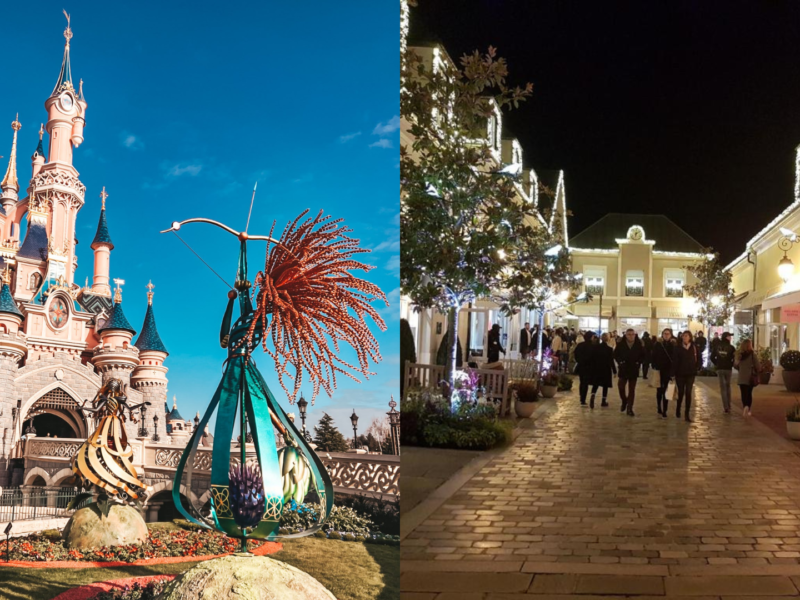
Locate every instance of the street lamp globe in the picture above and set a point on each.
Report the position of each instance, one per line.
(785, 268)
(302, 404)
(354, 419)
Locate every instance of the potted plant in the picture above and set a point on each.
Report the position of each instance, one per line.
(765, 366)
(549, 384)
(526, 393)
(564, 382)
(793, 421)
(790, 363)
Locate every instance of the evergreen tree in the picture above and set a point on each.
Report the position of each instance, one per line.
(386, 448)
(443, 354)
(327, 437)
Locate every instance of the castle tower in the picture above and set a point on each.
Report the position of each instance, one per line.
(56, 188)
(38, 158)
(10, 184)
(150, 376)
(12, 349)
(115, 356)
(178, 430)
(102, 246)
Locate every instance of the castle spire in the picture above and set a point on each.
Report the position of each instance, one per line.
(102, 236)
(40, 147)
(65, 76)
(10, 184)
(149, 339)
(117, 320)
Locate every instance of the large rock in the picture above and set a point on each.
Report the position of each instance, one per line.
(88, 528)
(245, 578)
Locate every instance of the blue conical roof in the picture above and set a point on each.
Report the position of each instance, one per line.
(102, 236)
(40, 150)
(174, 415)
(117, 320)
(7, 304)
(149, 338)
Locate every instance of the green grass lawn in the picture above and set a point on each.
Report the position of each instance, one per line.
(350, 570)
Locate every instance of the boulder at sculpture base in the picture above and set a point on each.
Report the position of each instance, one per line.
(245, 578)
(88, 528)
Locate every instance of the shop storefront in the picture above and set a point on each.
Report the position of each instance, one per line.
(633, 317)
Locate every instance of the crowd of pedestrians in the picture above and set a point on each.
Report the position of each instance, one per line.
(670, 362)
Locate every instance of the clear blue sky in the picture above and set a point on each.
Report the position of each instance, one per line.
(188, 105)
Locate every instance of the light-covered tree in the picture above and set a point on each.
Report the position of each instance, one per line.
(458, 212)
(712, 290)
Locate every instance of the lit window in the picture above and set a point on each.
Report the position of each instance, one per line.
(673, 283)
(634, 283)
(595, 285)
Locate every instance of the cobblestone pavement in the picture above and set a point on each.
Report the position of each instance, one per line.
(599, 503)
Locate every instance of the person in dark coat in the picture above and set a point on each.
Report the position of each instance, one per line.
(722, 355)
(663, 357)
(603, 367)
(700, 343)
(648, 343)
(493, 341)
(534, 347)
(584, 355)
(684, 368)
(525, 340)
(629, 355)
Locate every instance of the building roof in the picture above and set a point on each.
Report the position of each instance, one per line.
(35, 243)
(117, 320)
(7, 304)
(102, 236)
(149, 338)
(65, 75)
(667, 235)
(174, 415)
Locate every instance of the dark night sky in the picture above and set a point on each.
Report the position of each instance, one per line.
(685, 108)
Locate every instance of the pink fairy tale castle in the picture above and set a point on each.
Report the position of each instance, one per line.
(59, 341)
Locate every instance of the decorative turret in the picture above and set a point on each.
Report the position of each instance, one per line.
(102, 246)
(150, 376)
(12, 340)
(38, 158)
(178, 430)
(10, 184)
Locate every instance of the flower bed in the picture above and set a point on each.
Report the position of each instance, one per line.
(131, 588)
(428, 420)
(344, 523)
(160, 544)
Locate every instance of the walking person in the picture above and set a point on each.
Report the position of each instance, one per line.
(525, 341)
(747, 365)
(700, 343)
(663, 356)
(584, 355)
(603, 368)
(629, 355)
(534, 347)
(722, 357)
(684, 368)
(495, 347)
(647, 343)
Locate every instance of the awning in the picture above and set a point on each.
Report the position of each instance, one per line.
(740, 297)
(779, 300)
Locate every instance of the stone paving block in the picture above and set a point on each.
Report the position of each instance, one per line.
(620, 584)
(730, 585)
(415, 581)
(554, 584)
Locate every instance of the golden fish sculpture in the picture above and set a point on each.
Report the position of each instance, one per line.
(106, 458)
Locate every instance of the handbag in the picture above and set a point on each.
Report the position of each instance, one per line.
(654, 378)
(754, 381)
(674, 394)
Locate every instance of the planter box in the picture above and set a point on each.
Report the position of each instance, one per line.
(793, 429)
(791, 379)
(763, 378)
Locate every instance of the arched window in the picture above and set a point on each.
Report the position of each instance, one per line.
(34, 281)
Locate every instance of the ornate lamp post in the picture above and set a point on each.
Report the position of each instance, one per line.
(786, 266)
(302, 404)
(156, 437)
(143, 433)
(354, 421)
(394, 424)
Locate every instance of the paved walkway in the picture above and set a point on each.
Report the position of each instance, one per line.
(425, 469)
(598, 503)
